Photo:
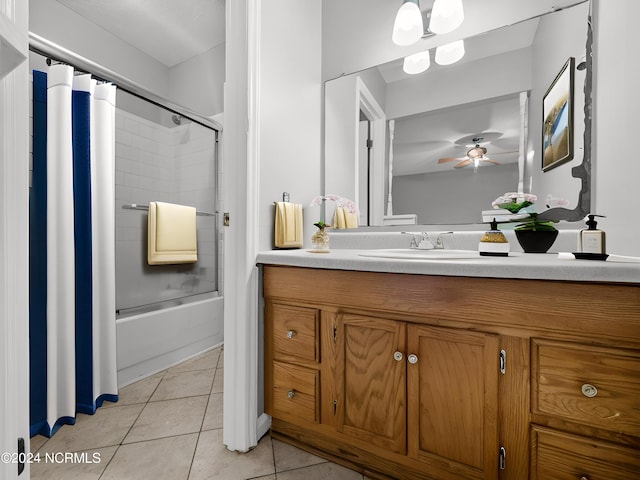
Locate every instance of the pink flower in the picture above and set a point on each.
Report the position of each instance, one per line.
(349, 205)
(556, 201)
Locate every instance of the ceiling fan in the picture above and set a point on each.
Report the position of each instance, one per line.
(474, 156)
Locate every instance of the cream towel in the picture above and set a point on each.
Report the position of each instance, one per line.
(172, 234)
(288, 225)
(344, 219)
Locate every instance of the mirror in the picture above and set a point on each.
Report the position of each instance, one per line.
(422, 127)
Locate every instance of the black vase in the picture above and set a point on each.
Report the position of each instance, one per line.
(536, 241)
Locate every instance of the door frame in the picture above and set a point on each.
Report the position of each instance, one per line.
(378, 120)
(14, 236)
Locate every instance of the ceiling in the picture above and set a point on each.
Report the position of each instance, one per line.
(171, 31)
(421, 140)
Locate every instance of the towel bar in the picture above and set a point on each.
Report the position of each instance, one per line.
(136, 206)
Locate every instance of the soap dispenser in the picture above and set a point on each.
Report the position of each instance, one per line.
(592, 240)
(493, 243)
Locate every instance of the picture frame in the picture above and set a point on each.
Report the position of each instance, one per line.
(557, 119)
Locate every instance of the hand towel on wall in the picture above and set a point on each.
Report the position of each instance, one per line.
(344, 219)
(288, 225)
(172, 234)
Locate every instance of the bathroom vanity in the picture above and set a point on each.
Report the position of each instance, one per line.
(514, 368)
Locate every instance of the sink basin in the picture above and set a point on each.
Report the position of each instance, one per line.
(412, 253)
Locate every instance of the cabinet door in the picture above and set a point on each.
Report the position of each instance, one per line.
(371, 389)
(452, 385)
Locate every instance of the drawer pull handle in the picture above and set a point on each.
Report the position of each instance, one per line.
(413, 359)
(291, 393)
(291, 333)
(584, 478)
(397, 356)
(589, 390)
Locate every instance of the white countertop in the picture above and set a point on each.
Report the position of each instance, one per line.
(546, 266)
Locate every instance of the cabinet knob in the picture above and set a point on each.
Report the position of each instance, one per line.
(589, 391)
(413, 359)
(291, 333)
(397, 356)
(291, 393)
(584, 477)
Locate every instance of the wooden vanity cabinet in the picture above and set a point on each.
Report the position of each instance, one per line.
(425, 377)
(371, 393)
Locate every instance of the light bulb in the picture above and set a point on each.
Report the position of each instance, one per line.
(408, 27)
(450, 53)
(446, 16)
(416, 63)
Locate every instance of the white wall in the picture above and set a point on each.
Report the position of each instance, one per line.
(197, 83)
(505, 74)
(559, 36)
(617, 100)
(341, 131)
(290, 100)
(437, 197)
(57, 23)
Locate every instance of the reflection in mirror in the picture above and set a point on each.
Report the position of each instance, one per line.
(434, 157)
(419, 165)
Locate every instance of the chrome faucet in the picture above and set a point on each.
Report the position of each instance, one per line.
(439, 242)
(421, 241)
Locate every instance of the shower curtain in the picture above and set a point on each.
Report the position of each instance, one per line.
(72, 330)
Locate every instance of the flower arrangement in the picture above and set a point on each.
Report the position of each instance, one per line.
(518, 202)
(349, 205)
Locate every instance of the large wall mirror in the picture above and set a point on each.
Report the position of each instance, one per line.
(422, 127)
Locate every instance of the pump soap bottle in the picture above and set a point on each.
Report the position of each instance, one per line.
(591, 240)
(493, 243)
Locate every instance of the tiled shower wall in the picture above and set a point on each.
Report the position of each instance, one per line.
(169, 163)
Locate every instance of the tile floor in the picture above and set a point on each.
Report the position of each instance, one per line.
(169, 427)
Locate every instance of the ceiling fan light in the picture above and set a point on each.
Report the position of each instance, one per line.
(446, 16)
(476, 152)
(408, 27)
(450, 53)
(416, 63)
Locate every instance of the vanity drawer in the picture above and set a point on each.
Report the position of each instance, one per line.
(295, 390)
(595, 386)
(561, 456)
(295, 332)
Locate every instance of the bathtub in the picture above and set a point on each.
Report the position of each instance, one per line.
(150, 342)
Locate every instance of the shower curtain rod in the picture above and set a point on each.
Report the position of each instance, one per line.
(56, 52)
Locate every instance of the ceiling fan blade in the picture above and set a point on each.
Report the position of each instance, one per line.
(450, 159)
(488, 160)
(504, 153)
(464, 163)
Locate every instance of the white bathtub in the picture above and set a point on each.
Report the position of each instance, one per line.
(150, 342)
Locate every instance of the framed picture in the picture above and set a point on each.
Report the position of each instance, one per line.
(557, 119)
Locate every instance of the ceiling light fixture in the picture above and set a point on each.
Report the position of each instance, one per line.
(446, 16)
(450, 53)
(408, 27)
(416, 63)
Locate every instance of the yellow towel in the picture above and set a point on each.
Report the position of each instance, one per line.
(344, 219)
(288, 225)
(172, 234)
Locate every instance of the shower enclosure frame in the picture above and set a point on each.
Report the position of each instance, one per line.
(139, 353)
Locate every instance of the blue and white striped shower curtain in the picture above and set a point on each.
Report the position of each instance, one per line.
(72, 330)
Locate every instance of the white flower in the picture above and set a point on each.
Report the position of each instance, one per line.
(513, 197)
